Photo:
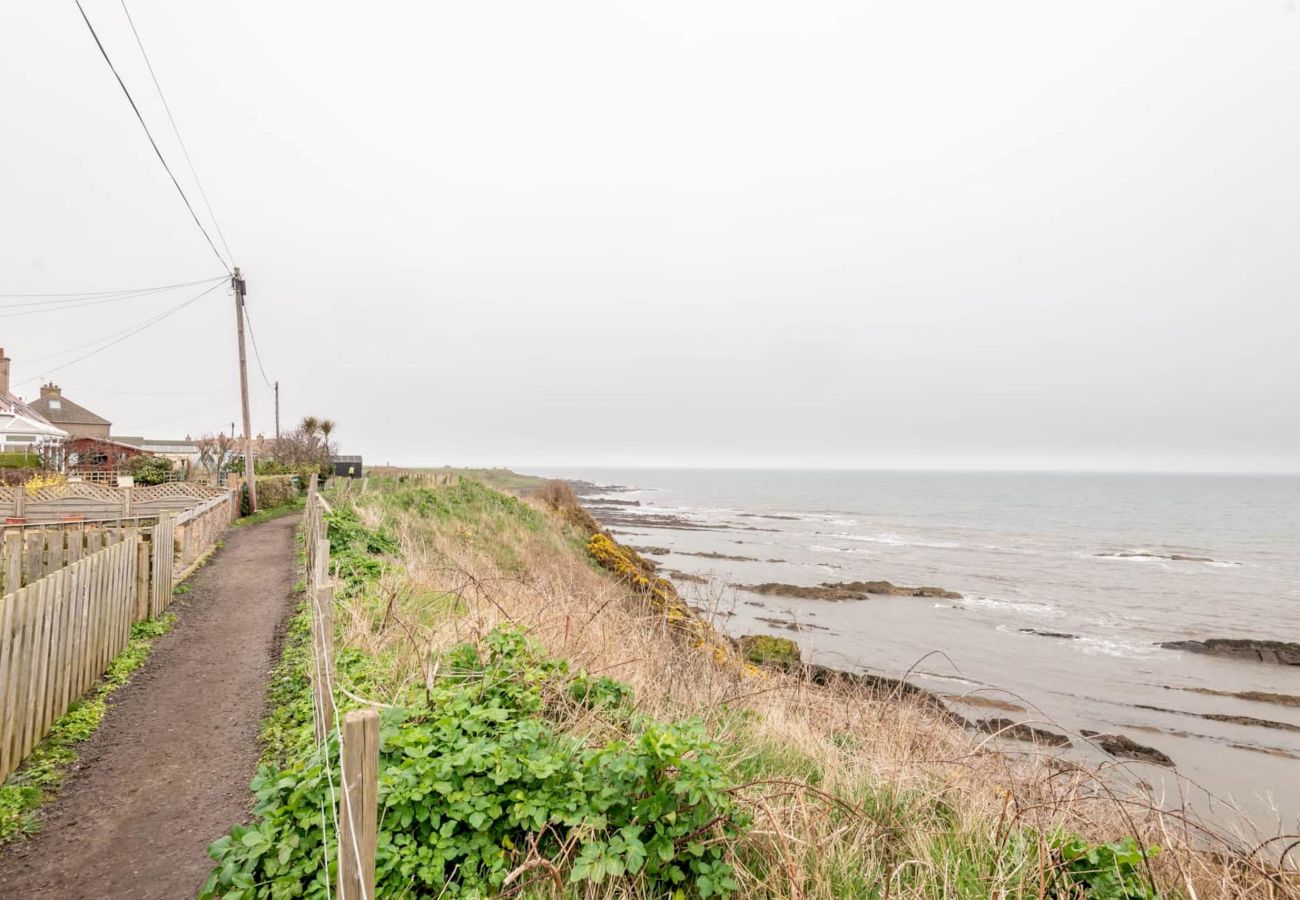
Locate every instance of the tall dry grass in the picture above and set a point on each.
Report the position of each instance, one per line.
(853, 793)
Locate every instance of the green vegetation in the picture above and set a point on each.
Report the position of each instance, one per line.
(475, 777)
(147, 469)
(38, 780)
(500, 479)
(506, 768)
(267, 514)
(1113, 871)
(765, 650)
(20, 461)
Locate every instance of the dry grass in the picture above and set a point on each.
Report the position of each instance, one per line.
(853, 794)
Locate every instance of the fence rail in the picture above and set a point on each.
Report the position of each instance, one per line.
(72, 592)
(80, 499)
(356, 815)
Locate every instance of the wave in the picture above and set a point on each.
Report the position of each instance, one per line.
(891, 539)
(1029, 607)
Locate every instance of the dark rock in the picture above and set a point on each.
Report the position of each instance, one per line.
(1022, 732)
(792, 625)
(685, 576)
(879, 687)
(846, 590)
(1249, 720)
(653, 551)
(1254, 696)
(1052, 634)
(1278, 652)
(1122, 746)
(714, 555)
(1174, 557)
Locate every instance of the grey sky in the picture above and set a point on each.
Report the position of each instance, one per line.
(753, 232)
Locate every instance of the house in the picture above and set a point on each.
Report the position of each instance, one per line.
(71, 417)
(22, 428)
(185, 452)
(92, 456)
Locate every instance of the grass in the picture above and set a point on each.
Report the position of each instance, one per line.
(843, 792)
(499, 479)
(275, 512)
(25, 791)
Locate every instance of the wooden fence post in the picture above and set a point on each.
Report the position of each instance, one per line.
(126, 502)
(359, 805)
(13, 558)
(141, 578)
(20, 502)
(322, 632)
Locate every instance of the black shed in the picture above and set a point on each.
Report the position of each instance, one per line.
(347, 466)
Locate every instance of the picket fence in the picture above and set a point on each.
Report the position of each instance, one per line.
(72, 592)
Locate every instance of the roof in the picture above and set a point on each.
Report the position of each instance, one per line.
(17, 417)
(158, 445)
(76, 441)
(61, 411)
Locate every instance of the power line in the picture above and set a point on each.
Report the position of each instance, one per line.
(177, 132)
(98, 340)
(45, 306)
(149, 135)
(86, 294)
(257, 354)
(149, 322)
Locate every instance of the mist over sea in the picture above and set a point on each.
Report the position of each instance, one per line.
(1068, 588)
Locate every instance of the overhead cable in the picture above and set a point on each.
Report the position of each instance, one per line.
(176, 131)
(132, 332)
(149, 135)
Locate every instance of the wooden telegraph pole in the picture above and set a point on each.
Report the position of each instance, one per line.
(250, 470)
(277, 410)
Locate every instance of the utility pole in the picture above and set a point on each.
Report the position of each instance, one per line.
(250, 469)
(277, 410)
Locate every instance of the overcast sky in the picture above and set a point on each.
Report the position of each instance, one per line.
(760, 232)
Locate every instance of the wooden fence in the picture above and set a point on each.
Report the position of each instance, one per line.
(83, 500)
(62, 625)
(356, 817)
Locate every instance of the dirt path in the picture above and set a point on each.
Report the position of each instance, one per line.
(168, 772)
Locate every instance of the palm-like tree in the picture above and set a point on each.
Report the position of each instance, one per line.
(326, 427)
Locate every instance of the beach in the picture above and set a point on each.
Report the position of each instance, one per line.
(1035, 599)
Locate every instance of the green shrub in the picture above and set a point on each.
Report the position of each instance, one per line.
(766, 650)
(147, 469)
(474, 778)
(20, 461)
(1113, 871)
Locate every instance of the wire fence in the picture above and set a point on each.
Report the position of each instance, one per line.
(354, 808)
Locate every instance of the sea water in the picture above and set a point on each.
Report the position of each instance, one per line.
(1068, 589)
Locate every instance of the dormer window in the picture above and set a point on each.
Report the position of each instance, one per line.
(56, 404)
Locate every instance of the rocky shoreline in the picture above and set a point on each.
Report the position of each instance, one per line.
(846, 590)
(785, 654)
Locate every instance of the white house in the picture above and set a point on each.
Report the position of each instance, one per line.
(23, 429)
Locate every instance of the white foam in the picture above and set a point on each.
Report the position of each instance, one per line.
(1029, 607)
(894, 540)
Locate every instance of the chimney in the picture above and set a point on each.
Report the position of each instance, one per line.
(51, 390)
(4, 372)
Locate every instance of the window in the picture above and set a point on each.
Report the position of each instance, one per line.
(56, 404)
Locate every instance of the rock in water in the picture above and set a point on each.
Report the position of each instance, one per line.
(1120, 745)
(1022, 732)
(1282, 653)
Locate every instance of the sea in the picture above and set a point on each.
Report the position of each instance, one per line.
(1069, 585)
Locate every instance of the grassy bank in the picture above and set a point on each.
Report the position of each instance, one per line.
(557, 722)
